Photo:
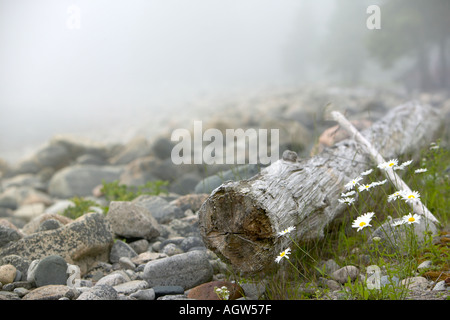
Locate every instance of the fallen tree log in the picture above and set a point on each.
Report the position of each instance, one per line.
(240, 220)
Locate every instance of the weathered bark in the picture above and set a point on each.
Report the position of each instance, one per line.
(240, 220)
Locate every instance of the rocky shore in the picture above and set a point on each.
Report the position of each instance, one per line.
(150, 247)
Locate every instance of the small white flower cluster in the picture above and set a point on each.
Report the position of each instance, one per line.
(363, 221)
(408, 219)
(408, 196)
(223, 293)
(355, 183)
(285, 253)
(393, 164)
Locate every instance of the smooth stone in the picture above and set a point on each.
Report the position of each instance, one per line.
(186, 269)
(7, 273)
(99, 292)
(343, 274)
(131, 286)
(167, 290)
(144, 294)
(51, 292)
(51, 270)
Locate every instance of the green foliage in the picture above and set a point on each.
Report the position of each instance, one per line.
(81, 206)
(114, 191)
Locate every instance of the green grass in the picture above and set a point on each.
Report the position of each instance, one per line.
(347, 246)
(114, 191)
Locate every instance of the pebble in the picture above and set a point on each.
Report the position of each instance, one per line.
(121, 249)
(415, 283)
(341, 275)
(440, 286)
(114, 279)
(51, 270)
(51, 292)
(131, 286)
(186, 269)
(7, 273)
(167, 290)
(145, 294)
(99, 292)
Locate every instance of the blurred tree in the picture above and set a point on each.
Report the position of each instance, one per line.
(418, 29)
(343, 50)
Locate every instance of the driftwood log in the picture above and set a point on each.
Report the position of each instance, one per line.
(240, 220)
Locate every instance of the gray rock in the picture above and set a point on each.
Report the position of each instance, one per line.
(126, 263)
(139, 246)
(7, 273)
(167, 290)
(396, 238)
(51, 270)
(83, 242)
(424, 265)
(162, 210)
(171, 249)
(80, 180)
(145, 294)
(6, 295)
(50, 224)
(19, 263)
(21, 291)
(131, 286)
(33, 225)
(91, 159)
(51, 292)
(187, 270)
(132, 221)
(162, 147)
(121, 249)
(440, 286)
(343, 274)
(210, 183)
(32, 271)
(7, 235)
(191, 242)
(137, 148)
(415, 283)
(59, 206)
(185, 184)
(99, 292)
(114, 279)
(18, 284)
(328, 267)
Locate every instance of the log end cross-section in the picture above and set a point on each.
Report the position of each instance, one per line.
(237, 228)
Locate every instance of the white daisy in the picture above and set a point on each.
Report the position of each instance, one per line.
(378, 183)
(421, 170)
(363, 221)
(409, 219)
(286, 231)
(410, 196)
(365, 173)
(348, 194)
(282, 255)
(394, 196)
(388, 164)
(347, 200)
(397, 222)
(364, 187)
(352, 183)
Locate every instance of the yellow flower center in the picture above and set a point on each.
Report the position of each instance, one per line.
(362, 224)
(411, 196)
(411, 219)
(391, 164)
(282, 254)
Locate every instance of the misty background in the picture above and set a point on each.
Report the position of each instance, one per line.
(127, 64)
